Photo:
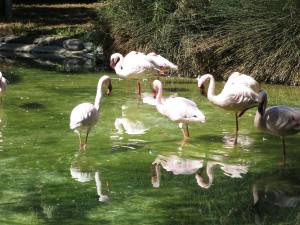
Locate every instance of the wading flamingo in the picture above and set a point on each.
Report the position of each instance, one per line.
(85, 115)
(3, 84)
(238, 95)
(178, 109)
(278, 120)
(138, 62)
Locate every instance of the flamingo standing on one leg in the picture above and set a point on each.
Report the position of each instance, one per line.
(137, 62)
(85, 115)
(238, 95)
(3, 85)
(278, 120)
(178, 109)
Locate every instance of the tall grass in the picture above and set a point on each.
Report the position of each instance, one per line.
(257, 37)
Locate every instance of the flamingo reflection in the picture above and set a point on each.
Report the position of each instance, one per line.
(185, 166)
(83, 176)
(129, 126)
(273, 193)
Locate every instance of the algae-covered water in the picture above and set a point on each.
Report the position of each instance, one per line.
(144, 175)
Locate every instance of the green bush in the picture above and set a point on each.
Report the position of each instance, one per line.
(257, 37)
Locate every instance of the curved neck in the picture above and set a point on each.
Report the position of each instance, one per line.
(99, 93)
(119, 66)
(158, 99)
(211, 88)
(209, 172)
(259, 120)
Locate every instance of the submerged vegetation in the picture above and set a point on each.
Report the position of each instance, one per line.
(261, 38)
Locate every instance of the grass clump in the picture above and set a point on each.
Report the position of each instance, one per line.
(261, 38)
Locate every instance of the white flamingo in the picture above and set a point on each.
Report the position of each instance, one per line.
(178, 109)
(238, 95)
(278, 120)
(3, 85)
(138, 62)
(85, 115)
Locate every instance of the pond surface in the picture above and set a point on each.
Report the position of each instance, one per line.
(145, 175)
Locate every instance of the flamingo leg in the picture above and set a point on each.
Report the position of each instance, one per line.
(138, 88)
(86, 138)
(236, 128)
(80, 140)
(185, 130)
(155, 178)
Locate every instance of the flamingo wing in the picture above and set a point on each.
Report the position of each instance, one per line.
(283, 120)
(84, 114)
(136, 62)
(160, 61)
(240, 79)
(182, 109)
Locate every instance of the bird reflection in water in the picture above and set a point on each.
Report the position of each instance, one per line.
(83, 176)
(185, 166)
(243, 140)
(273, 194)
(124, 124)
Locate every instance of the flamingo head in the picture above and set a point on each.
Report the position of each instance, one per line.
(156, 85)
(262, 101)
(201, 85)
(114, 59)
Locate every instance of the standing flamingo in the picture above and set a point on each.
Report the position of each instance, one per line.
(3, 84)
(85, 115)
(278, 120)
(178, 109)
(238, 95)
(137, 62)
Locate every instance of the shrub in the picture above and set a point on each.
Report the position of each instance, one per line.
(257, 37)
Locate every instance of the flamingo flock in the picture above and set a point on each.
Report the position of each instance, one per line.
(240, 93)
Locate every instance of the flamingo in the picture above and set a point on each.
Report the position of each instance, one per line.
(178, 109)
(238, 95)
(138, 62)
(85, 115)
(3, 85)
(278, 120)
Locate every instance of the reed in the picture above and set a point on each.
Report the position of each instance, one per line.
(257, 37)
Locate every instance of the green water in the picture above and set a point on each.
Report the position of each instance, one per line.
(45, 179)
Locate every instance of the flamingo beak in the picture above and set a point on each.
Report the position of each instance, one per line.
(154, 93)
(202, 90)
(109, 88)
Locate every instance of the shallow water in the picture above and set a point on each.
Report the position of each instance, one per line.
(145, 176)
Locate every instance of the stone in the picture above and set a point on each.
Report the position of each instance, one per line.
(73, 44)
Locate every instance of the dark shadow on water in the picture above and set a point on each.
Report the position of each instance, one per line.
(32, 105)
(12, 78)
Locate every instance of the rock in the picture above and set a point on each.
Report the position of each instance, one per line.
(73, 44)
(89, 46)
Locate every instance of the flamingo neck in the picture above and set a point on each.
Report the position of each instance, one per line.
(98, 94)
(209, 172)
(119, 66)
(159, 95)
(211, 89)
(259, 120)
